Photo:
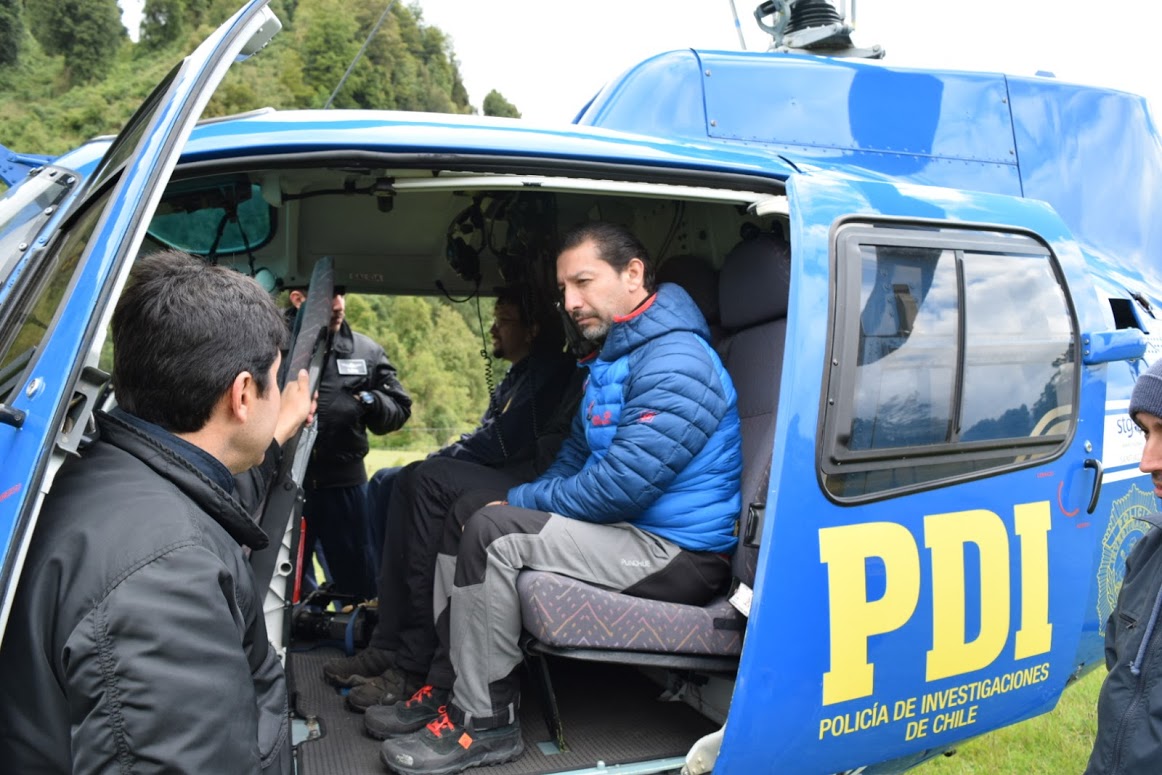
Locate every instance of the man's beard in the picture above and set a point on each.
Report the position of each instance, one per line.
(597, 331)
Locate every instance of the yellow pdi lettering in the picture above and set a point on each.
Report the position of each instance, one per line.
(1032, 526)
(854, 619)
(946, 535)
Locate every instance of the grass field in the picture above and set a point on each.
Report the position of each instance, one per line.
(1058, 742)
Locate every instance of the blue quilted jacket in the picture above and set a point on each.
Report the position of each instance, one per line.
(657, 440)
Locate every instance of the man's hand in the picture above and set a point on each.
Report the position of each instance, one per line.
(298, 408)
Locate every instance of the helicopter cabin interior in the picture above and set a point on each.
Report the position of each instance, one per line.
(608, 678)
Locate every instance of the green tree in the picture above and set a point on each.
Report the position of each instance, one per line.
(496, 105)
(87, 33)
(437, 355)
(48, 108)
(11, 31)
(162, 22)
(407, 65)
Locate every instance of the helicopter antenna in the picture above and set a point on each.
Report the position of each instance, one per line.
(358, 54)
(811, 27)
(737, 26)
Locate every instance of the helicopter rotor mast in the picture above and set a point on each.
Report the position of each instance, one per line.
(812, 27)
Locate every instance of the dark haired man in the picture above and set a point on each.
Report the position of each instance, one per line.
(137, 641)
(358, 392)
(641, 498)
(513, 443)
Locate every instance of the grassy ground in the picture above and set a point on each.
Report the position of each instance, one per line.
(1058, 742)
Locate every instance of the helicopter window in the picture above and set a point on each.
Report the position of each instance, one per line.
(1018, 344)
(953, 354)
(223, 218)
(24, 209)
(907, 354)
(25, 323)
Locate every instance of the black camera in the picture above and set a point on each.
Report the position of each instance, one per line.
(313, 620)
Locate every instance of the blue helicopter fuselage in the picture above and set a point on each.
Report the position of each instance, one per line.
(890, 620)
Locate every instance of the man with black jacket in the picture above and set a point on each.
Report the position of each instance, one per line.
(1129, 708)
(358, 392)
(137, 629)
(523, 425)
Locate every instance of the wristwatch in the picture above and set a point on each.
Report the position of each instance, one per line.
(365, 397)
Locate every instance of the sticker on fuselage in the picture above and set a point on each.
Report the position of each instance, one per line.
(1122, 439)
(1123, 531)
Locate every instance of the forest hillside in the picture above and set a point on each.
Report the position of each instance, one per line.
(69, 71)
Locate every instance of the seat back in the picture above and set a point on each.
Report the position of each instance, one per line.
(753, 295)
(698, 277)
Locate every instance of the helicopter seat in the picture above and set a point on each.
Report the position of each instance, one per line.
(698, 277)
(570, 618)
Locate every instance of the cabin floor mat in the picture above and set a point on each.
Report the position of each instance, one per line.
(609, 713)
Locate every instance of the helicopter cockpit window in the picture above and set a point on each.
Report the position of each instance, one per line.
(953, 354)
(24, 209)
(226, 217)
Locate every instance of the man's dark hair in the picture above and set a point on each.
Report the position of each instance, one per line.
(182, 331)
(616, 245)
(537, 312)
(516, 296)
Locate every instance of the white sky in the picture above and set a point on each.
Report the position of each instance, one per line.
(548, 57)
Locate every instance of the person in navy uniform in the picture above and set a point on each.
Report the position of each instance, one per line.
(527, 418)
(358, 392)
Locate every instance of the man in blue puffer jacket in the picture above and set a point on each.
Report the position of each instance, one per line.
(642, 498)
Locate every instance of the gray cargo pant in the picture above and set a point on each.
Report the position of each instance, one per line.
(478, 609)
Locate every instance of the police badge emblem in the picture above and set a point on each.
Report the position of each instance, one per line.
(1124, 529)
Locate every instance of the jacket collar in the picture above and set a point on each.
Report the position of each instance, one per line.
(169, 464)
(669, 309)
(343, 340)
(1154, 519)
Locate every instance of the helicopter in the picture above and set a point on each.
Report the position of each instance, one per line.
(935, 290)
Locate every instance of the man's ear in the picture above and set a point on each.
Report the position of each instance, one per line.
(243, 392)
(533, 332)
(635, 272)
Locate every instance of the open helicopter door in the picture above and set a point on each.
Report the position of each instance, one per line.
(926, 554)
(73, 273)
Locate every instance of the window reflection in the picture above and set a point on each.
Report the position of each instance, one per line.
(955, 361)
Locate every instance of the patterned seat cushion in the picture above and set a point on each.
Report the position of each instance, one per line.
(567, 613)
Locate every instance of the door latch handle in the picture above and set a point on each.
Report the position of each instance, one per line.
(1098, 473)
(10, 415)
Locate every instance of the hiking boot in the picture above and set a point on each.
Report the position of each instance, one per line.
(365, 665)
(443, 747)
(388, 688)
(404, 718)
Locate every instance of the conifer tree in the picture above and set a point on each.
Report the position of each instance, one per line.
(162, 22)
(11, 31)
(496, 105)
(86, 32)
